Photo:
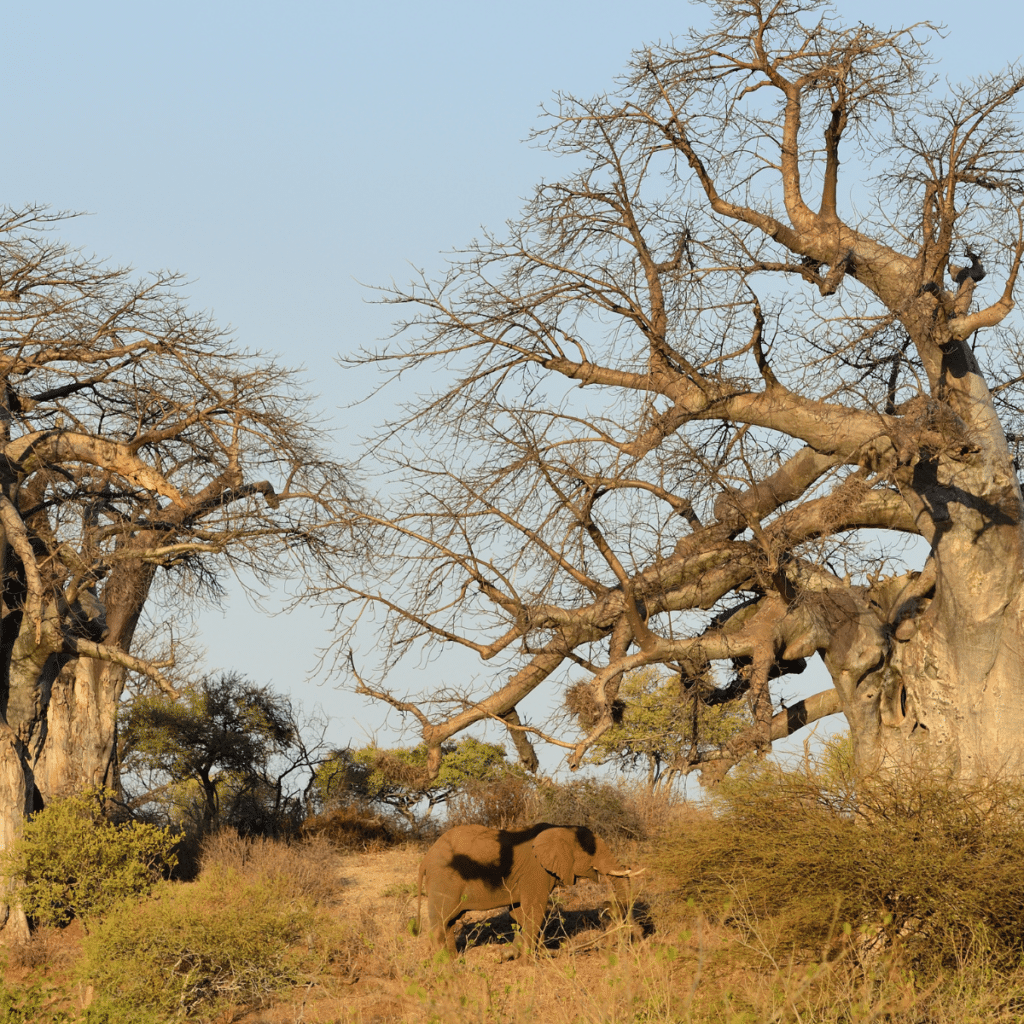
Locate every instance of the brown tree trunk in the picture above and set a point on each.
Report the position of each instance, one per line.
(951, 696)
(14, 805)
(80, 728)
(61, 712)
(946, 691)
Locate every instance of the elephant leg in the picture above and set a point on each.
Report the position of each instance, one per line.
(436, 923)
(530, 918)
(442, 925)
(514, 949)
(449, 934)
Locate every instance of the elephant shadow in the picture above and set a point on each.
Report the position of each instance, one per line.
(561, 926)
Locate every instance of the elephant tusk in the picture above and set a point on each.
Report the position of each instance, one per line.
(626, 873)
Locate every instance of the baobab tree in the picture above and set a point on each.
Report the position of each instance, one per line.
(143, 455)
(742, 389)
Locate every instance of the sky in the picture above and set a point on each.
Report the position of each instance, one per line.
(288, 157)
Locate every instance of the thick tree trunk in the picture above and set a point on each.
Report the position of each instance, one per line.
(80, 729)
(14, 804)
(962, 696)
(60, 710)
(946, 690)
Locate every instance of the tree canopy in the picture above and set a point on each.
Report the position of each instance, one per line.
(741, 389)
(654, 730)
(225, 750)
(144, 454)
(398, 777)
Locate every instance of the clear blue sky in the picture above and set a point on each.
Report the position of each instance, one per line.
(280, 154)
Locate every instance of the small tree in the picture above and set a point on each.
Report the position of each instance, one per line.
(227, 747)
(657, 730)
(399, 778)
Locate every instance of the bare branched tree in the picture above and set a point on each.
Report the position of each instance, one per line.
(136, 438)
(742, 389)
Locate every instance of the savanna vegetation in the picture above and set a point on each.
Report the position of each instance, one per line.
(921, 923)
(145, 455)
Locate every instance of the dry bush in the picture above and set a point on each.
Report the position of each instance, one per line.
(622, 810)
(506, 802)
(310, 866)
(350, 827)
(811, 865)
(615, 811)
(46, 948)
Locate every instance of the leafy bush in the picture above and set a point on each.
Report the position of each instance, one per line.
(254, 922)
(808, 856)
(73, 862)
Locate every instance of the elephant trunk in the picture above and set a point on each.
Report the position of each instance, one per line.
(621, 890)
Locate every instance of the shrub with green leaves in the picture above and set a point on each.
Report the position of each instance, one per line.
(72, 861)
(231, 937)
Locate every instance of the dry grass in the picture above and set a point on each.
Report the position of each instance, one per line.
(49, 949)
(692, 969)
(697, 965)
(311, 867)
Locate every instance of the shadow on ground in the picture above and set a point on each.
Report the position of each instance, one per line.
(561, 927)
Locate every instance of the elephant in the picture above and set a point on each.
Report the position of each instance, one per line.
(473, 867)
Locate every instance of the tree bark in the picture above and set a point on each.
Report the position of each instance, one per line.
(14, 806)
(127, 425)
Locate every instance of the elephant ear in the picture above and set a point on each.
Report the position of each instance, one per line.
(554, 848)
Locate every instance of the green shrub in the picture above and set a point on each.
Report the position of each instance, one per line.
(41, 1003)
(243, 930)
(808, 857)
(73, 862)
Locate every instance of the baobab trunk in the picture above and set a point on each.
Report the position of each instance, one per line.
(947, 691)
(80, 730)
(61, 710)
(14, 805)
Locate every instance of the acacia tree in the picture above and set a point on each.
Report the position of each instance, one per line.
(655, 731)
(136, 438)
(712, 380)
(225, 749)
